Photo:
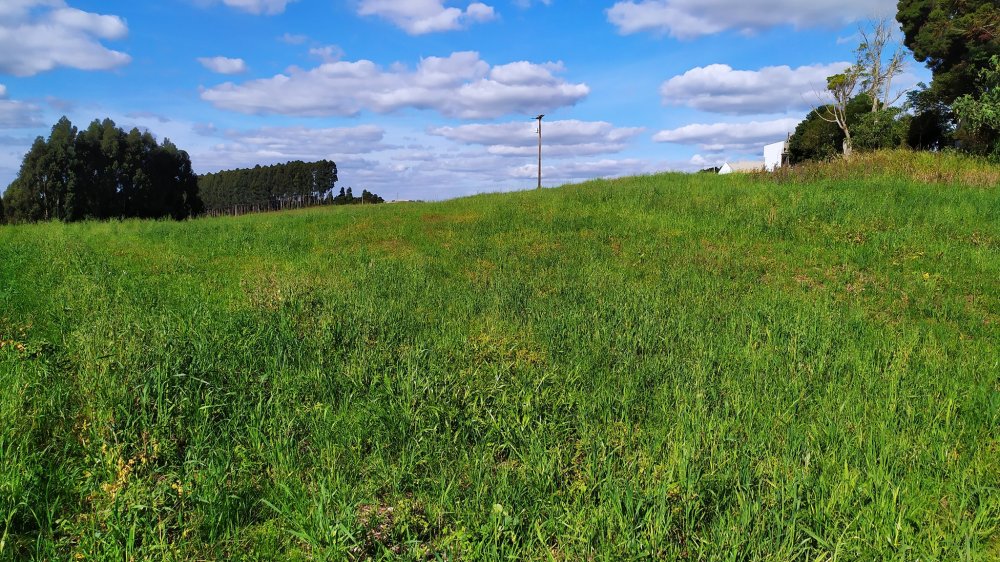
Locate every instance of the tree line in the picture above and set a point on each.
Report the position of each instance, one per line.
(959, 40)
(275, 187)
(101, 172)
(267, 186)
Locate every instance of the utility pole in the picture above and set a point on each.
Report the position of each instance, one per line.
(539, 150)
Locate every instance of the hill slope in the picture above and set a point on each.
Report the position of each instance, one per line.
(667, 367)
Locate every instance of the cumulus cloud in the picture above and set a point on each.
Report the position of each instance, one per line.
(224, 65)
(718, 88)
(461, 85)
(418, 17)
(730, 137)
(265, 7)
(39, 35)
(687, 19)
(17, 114)
(562, 138)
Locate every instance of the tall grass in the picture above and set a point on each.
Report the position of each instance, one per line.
(944, 168)
(664, 367)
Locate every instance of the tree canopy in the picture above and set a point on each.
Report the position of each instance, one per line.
(955, 38)
(933, 124)
(980, 114)
(102, 172)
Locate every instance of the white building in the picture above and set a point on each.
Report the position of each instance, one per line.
(775, 155)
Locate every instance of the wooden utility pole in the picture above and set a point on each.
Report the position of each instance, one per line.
(539, 150)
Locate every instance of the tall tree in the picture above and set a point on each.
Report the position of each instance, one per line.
(59, 161)
(878, 61)
(955, 38)
(842, 88)
(933, 123)
(99, 173)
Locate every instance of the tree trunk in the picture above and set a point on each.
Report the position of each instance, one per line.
(848, 149)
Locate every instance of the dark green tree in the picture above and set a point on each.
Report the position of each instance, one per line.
(269, 186)
(21, 203)
(29, 198)
(955, 38)
(100, 173)
(933, 124)
(60, 156)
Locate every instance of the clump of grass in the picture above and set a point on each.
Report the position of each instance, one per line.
(665, 367)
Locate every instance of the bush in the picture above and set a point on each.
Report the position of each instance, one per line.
(883, 129)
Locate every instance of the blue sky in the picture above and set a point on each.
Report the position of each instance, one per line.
(429, 99)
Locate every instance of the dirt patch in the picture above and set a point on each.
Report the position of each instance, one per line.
(403, 529)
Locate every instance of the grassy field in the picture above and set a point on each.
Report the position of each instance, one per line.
(665, 368)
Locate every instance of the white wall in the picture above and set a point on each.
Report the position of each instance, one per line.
(772, 155)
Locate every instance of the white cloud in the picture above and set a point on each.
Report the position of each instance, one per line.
(147, 115)
(700, 161)
(17, 114)
(270, 145)
(418, 17)
(687, 19)
(293, 39)
(265, 7)
(718, 88)
(561, 138)
(432, 168)
(40, 35)
(564, 172)
(303, 141)
(730, 137)
(461, 85)
(327, 53)
(224, 65)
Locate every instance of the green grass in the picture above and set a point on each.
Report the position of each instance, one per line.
(667, 367)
